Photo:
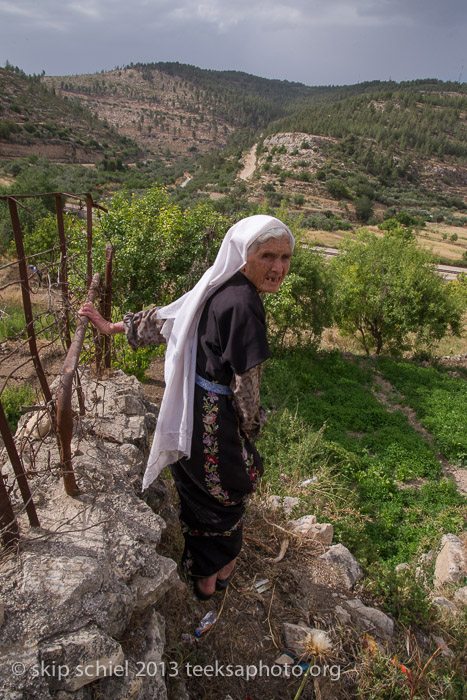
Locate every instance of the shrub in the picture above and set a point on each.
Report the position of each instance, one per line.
(387, 288)
(301, 307)
(160, 250)
(338, 189)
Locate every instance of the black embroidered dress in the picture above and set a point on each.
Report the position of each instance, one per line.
(215, 483)
(217, 480)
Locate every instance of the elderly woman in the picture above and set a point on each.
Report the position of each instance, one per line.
(210, 413)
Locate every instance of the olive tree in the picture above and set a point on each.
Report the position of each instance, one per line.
(301, 309)
(388, 293)
(160, 250)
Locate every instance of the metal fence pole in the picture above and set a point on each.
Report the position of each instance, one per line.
(8, 524)
(64, 411)
(107, 306)
(18, 469)
(65, 289)
(23, 272)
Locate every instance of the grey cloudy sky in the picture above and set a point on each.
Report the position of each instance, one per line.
(317, 42)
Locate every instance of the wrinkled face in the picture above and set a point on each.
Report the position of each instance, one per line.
(267, 266)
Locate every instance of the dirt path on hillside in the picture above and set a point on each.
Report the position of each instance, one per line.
(250, 164)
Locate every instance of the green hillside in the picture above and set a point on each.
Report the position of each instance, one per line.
(429, 117)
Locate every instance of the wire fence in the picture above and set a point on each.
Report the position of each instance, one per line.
(45, 278)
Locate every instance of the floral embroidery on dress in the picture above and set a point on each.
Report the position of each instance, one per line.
(211, 449)
(250, 466)
(187, 561)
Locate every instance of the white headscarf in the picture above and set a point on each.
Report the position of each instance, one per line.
(172, 439)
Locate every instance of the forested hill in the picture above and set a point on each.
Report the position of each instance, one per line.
(183, 108)
(34, 120)
(177, 109)
(429, 117)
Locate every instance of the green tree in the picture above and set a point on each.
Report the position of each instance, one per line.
(302, 306)
(160, 250)
(363, 207)
(338, 189)
(387, 291)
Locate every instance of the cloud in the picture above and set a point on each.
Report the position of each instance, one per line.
(423, 12)
(314, 41)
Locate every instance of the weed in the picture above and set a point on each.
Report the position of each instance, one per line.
(13, 397)
(12, 322)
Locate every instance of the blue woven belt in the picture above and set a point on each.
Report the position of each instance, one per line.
(211, 386)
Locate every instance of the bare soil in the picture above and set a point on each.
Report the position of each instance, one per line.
(248, 633)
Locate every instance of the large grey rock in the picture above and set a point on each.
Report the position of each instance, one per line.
(302, 525)
(308, 527)
(286, 503)
(370, 619)
(144, 675)
(289, 503)
(149, 589)
(341, 559)
(63, 579)
(2, 612)
(343, 616)
(91, 573)
(84, 656)
(451, 562)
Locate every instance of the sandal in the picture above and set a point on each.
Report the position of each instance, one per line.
(222, 583)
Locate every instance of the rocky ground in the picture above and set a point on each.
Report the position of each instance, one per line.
(290, 580)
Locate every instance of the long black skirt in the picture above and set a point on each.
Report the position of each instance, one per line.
(214, 484)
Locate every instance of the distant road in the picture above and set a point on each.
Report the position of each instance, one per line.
(449, 272)
(249, 165)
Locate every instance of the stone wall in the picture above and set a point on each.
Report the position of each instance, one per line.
(77, 596)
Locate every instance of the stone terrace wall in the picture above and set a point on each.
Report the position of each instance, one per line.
(78, 621)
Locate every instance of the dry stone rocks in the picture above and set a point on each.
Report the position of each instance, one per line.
(370, 619)
(286, 503)
(402, 567)
(460, 596)
(84, 656)
(307, 526)
(289, 503)
(445, 604)
(445, 650)
(143, 677)
(451, 562)
(339, 557)
(80, 583)
(343, 616)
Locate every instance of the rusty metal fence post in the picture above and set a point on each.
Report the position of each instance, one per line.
(64, 410)
(18, 468)
(25, 291)
(107, 300)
